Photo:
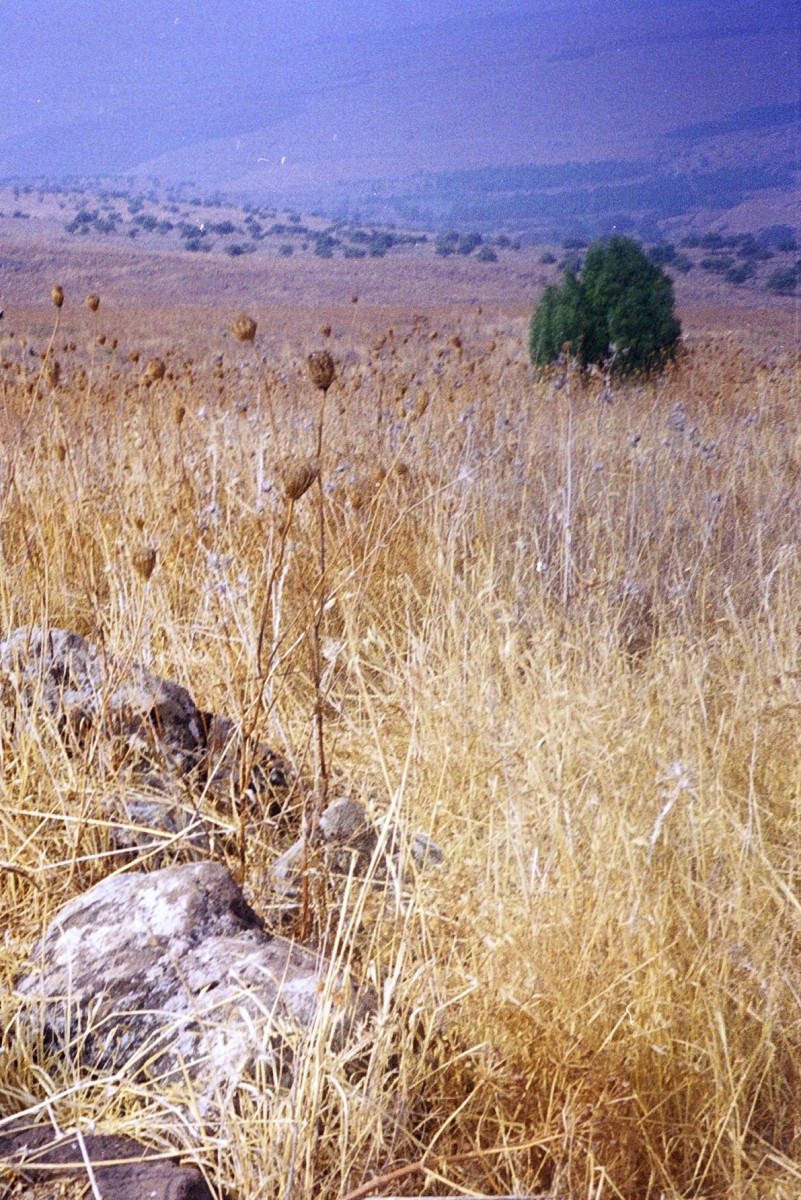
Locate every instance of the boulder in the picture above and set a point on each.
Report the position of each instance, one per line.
(170, 976)
(137, 717)
(171, 763)
(122, 1168)
(351, 842)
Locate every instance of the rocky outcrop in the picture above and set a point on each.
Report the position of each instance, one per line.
(169, 761)
(352, 843)
(121, 1167)
(170, 977)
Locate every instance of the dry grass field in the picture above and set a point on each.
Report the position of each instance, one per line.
(551, 622)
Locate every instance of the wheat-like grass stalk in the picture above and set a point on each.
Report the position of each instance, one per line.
(596, 993)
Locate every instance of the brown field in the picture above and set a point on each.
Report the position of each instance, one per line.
(556, 627)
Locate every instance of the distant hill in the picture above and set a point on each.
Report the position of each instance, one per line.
(574, 116)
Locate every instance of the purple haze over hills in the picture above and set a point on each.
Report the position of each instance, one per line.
(270, 94)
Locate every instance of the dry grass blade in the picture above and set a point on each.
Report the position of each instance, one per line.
(556, 634)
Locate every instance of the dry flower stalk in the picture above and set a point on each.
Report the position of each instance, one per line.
(57, 295)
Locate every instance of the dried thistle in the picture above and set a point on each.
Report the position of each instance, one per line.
(57, 295)
(326, 331)
(60, 451)
(144, 562)
(244, 328)
(321, 369)
(180, 413)
(133, 356)
(53, 372)
(154, 371)
(93, 302)
(297, 477)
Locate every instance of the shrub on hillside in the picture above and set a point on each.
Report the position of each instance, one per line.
(620, 307)
(783, 280)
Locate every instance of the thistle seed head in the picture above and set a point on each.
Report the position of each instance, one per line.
(53, 372)
(154, 371)
(144, 562)
(57, 295)
(297, 477)
(321, 369)
(244, 328)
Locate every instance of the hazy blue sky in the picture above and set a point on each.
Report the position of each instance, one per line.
(101, 86)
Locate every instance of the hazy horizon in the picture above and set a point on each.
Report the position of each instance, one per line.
(244, 93)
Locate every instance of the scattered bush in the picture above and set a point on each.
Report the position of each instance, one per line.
(662, 254)
(740, 273)
(621, 307)
(468, 243)
(718, 265)
(783, 280)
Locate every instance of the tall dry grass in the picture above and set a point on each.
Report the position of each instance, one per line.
(557, 629)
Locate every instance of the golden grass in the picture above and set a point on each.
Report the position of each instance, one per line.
(558, 631)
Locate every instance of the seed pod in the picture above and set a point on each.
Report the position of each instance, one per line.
(144, 562)
(57, 295)
(154, 371)
(321, 369)
(180, 413)
(53, 372)
(93, 302)
(298, 477)
(244, 328)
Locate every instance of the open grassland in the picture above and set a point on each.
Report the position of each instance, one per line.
(554, 624)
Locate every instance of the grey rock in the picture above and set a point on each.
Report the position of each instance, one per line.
(349, 843)
(171, 763)
(143, 719)
(170, 976)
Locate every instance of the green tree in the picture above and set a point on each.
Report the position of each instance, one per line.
(620, 307)
(559, 319)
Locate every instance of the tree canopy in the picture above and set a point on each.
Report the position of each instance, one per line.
(618, 309)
